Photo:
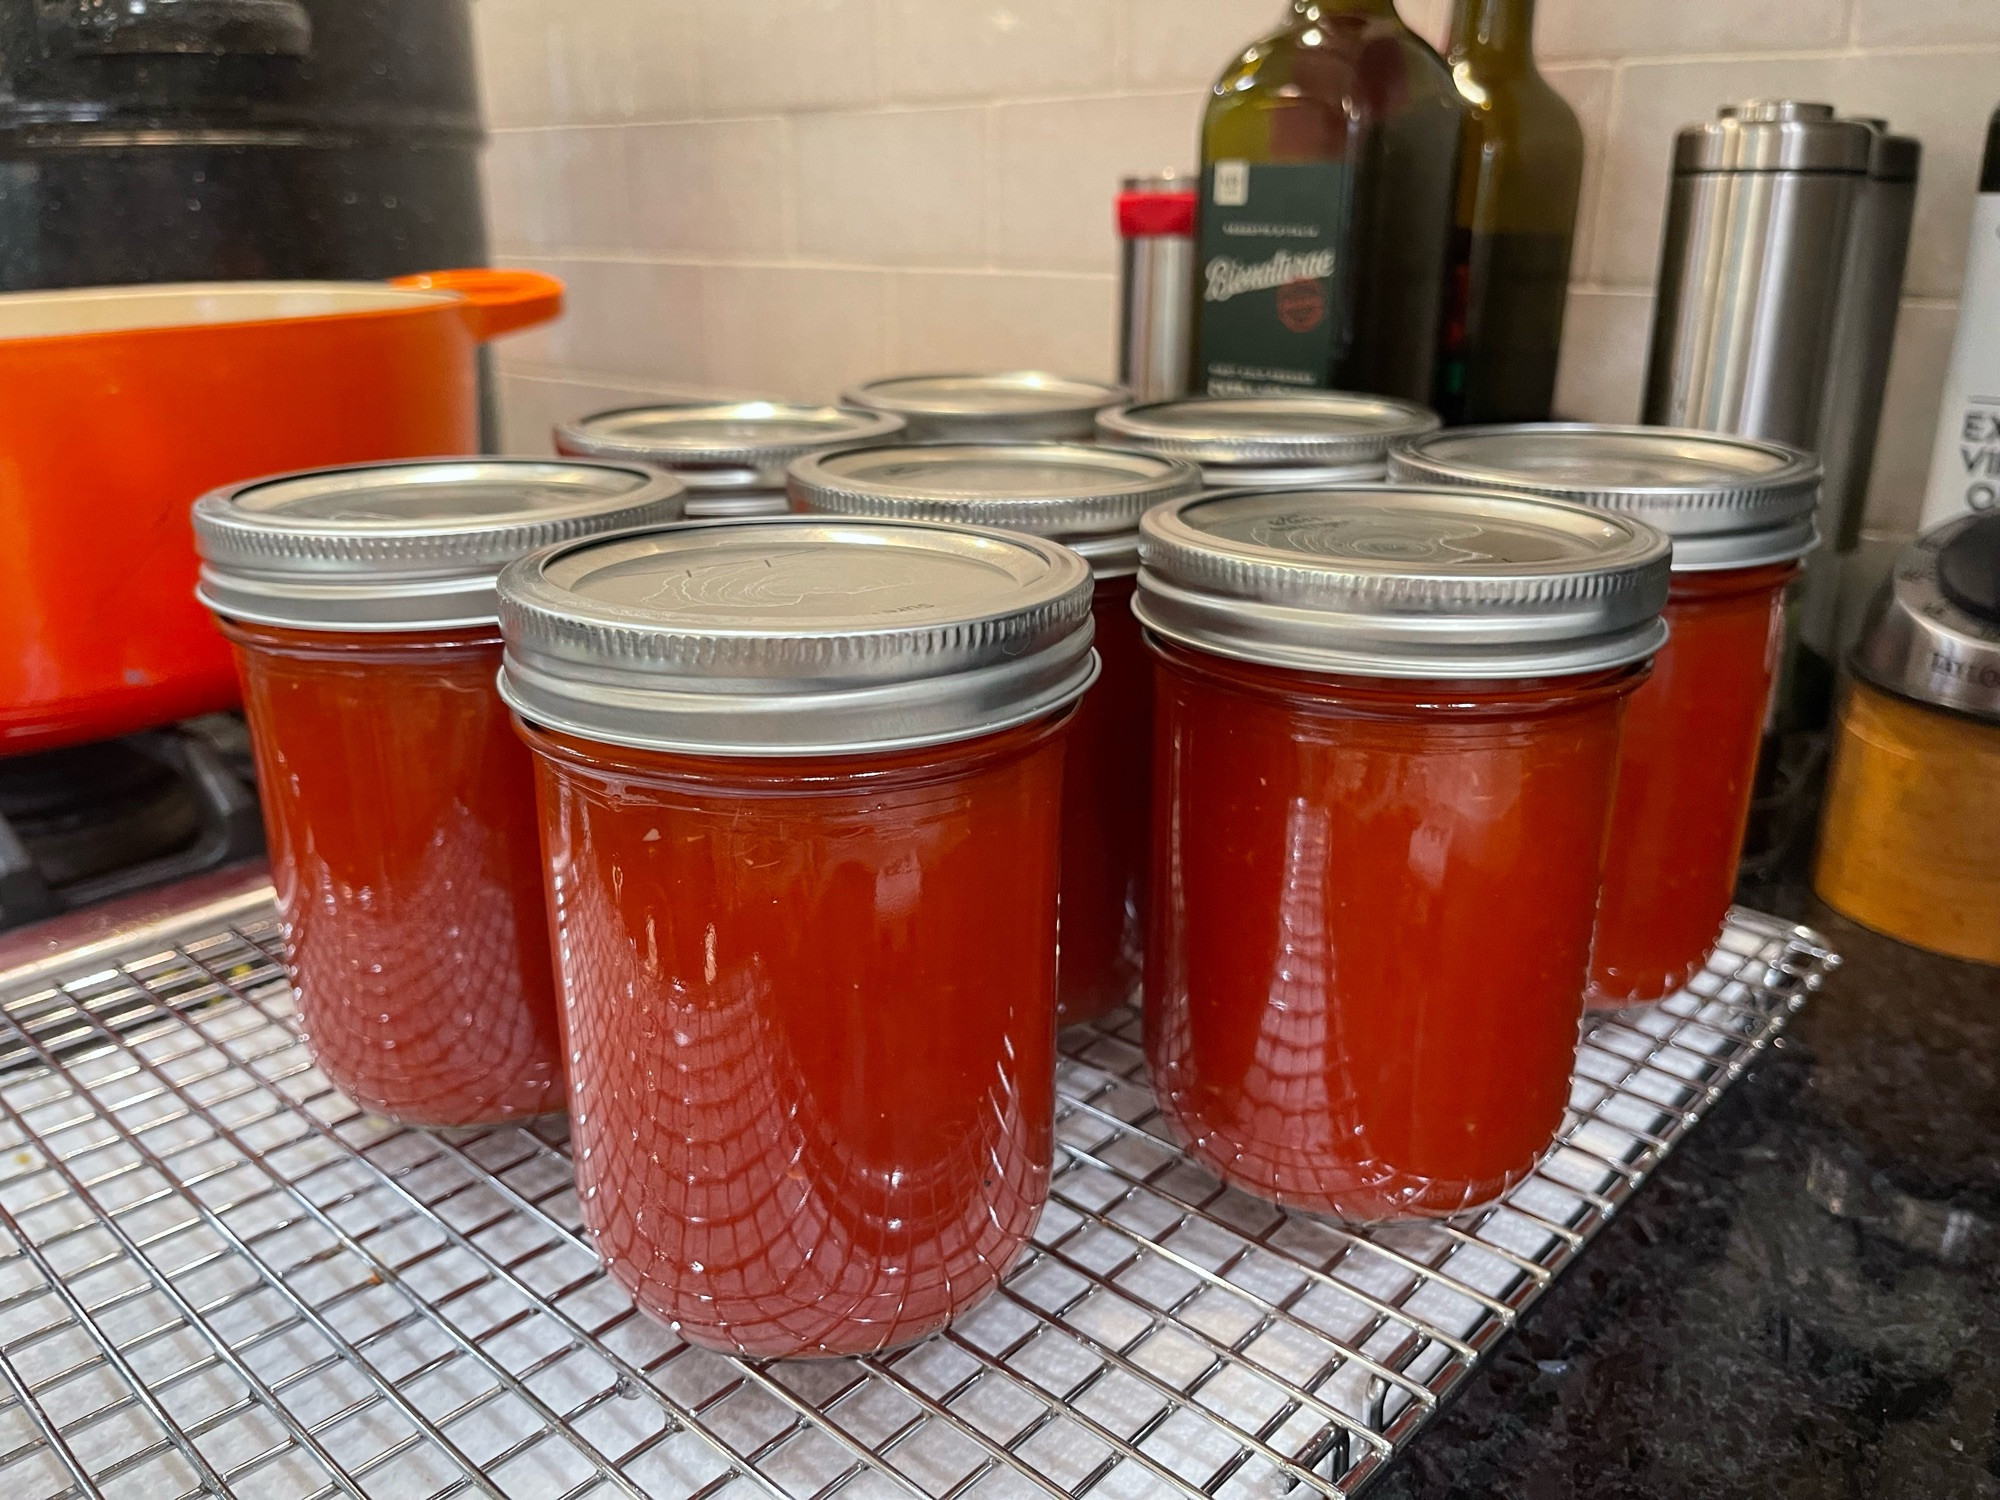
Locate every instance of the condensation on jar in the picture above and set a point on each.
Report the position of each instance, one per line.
(1089, 498)
(1003, 406)
(1740, 514)
(731, 455)
(801, 790)
(399, 805)
(1317, 437)
(1386, 735)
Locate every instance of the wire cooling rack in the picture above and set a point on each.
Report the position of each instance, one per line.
(218, 1276)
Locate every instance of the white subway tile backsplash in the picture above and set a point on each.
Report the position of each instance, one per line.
(800, 332)
(628, 319)
(1937, 96)
(715, 187)
(758, 56)
(532, 404)
(1909, 414)
(984, 49)
(786, 196)
(997, 320)
(560, 62)
(1642, 28)
(1904, 23)
(559, 188)
(1603, 368)
(1169, 42)
(1056, 168)
(904, 187)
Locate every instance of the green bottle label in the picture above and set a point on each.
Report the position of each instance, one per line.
(1273, 275)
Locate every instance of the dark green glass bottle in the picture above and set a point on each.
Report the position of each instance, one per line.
(1519, 177)
(1329, 163)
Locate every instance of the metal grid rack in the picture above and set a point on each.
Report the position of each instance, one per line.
(217, 1276)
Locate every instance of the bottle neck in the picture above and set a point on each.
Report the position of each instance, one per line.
(1492, 35)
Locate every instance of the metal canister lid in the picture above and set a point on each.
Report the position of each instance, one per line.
(1933, 632)
(1891, 157)
(795, 635)
(1018, 405)
(1774, 135)
(1318, 430)
(407, 544)
(1727, 502)
(1088, 497)
(1404, 581)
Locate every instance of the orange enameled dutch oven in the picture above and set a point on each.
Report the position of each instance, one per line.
(119, 406)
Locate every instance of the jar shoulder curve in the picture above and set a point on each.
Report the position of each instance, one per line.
(1311, 696)
(870, 774)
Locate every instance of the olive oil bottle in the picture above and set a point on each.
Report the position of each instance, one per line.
(1329, 178)
(1519, 178)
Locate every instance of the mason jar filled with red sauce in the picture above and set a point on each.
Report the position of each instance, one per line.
(1386, 735)
(398, 803)
(1311, 437)
(1740, 513)
(1091, 499)
(801, 797)
(730, 455)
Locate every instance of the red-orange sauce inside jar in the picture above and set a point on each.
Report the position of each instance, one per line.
(801, 796)
(1372, 912)
(1107, 818)
(1684, 783)
(810, 1011)
(400, 811)
(1090, 498)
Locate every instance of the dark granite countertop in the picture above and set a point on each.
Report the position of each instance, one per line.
(1803, 1301)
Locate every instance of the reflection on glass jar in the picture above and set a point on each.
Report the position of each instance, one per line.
(399, 805)
(801, 794)
(1385, 743)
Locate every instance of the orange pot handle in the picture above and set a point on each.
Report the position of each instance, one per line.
(494, 301)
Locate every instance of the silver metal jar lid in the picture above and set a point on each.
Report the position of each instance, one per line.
(1404, 581)
(795, 635)
(739, 434)
(1727, 502)
(1933, 632)
(412, 544)
(1087, 497)
(1316, 430)
(1773, 135)
(1008, 405)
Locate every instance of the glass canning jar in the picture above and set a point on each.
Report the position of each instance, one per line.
(730, 455)
(1386, 737)
(990, 406)
(1091, 499)
(398, 804)
(1316, 437)
(801, 786)
(1740, 514)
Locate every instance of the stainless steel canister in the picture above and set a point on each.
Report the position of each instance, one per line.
(1156, 285)
(1864, 330)
(1750, 269)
